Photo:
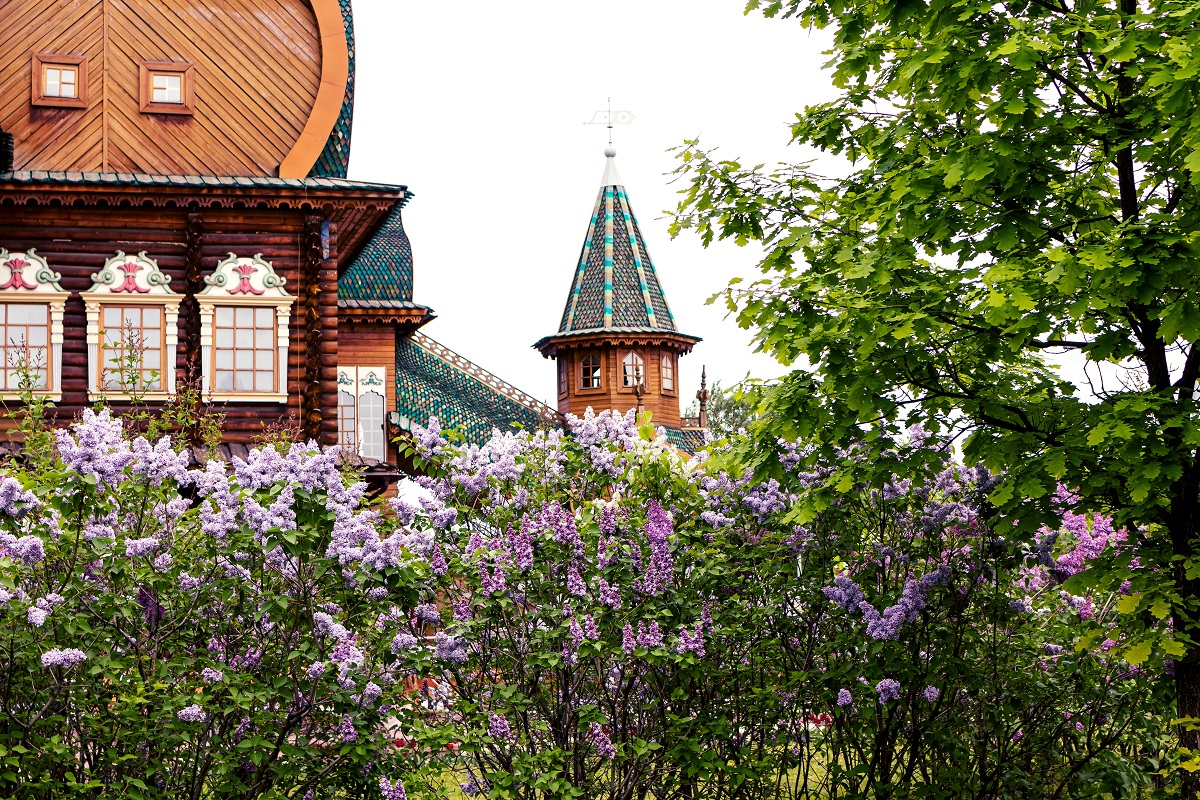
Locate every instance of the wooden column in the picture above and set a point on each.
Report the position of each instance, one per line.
(189, 309)
(310, 317)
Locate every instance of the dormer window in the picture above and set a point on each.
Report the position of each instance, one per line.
(167, 87)
(59, 81)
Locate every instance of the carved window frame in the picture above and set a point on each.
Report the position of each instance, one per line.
(668, 370)
(244, 282)
(357, 383)
(131, 281)
(26, 278)
(186, 73)
(44, 61)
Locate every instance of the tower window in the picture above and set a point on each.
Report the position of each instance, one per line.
(167, 87)
(589, 372)
(633, 369)
(668, 372)
(564, 374)
(59, 81)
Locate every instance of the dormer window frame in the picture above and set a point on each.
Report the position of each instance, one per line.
(48, 61)
(186, 74)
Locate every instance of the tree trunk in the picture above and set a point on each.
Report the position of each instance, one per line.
(1185, 525)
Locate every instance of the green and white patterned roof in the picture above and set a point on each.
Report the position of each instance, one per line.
(615, 287)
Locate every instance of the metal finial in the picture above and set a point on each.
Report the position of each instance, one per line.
(608, 118)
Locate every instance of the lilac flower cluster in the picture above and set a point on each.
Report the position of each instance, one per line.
(391, 791)
(661, 567)
(888, 689)
(97, 448)
(62, 658)
(603, 744)
(193, 713)
(498, 727)
(14, 500)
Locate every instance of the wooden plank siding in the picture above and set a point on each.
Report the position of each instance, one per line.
(257, 72)
(77, 241)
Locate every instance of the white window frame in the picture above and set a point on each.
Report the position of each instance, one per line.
(241, 282)
(131, 281)
(27, 278)
(361, 381)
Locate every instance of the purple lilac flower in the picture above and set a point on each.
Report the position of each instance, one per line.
(162, 562)
(62, 658)
(474, 786)
(932, 693)
(428, 614)
(844, 593)
(560, 521)
(462, 609)
(15, 501)
(210, 675)
(37, 616)
(628, 641)
(844, 697)
(189, 584)
(610, 594)
(498, 727)
(402, 642)
(608, 519)
(391, 791)
(136, 548)
(575, 584)
(193, 713)
(662, 566)
(97, 448)
(604, 745)
(649, 636)
(370, 693)
(158, 461)
(30, 550)
(345, 652)
(153, 609)
(1018, 736)
(449, 648)
(315, 670)
(590, 630)
(347, 731)
(405, 511)
(691, 642)
(429, 439)
(888, 689)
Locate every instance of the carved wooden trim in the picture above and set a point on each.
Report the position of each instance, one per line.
(201, 196)
(312, 256)
(189, 311)
(335, 73)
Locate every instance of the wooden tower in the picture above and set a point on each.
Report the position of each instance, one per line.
(617, 346)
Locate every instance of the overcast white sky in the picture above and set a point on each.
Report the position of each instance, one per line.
(478, 107)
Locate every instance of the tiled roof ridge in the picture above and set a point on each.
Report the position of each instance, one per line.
(146, 178)
(545, 413)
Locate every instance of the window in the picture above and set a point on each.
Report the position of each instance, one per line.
(132, 330)
(59, 81)
(167, 87)
(244, 318)
(24, 341)
(133, 347)
(564, 372)
(668, 372)
(589, 372)
(633, 369)
(362, 409)
(244, 349)
(31, 325)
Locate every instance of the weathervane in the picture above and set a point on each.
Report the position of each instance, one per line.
(608, 118)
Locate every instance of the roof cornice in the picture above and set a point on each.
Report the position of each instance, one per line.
(631, 337)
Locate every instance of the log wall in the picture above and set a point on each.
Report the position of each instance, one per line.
(77, 241)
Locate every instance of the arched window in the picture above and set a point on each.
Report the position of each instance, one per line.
(589, 372)
(668, 372)
(633, 369)
(362, 411)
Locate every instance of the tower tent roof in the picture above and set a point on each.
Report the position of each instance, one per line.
(615, 287)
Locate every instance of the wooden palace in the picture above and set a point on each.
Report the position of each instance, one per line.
(173, 180)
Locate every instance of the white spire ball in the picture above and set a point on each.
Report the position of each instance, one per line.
(610, 151)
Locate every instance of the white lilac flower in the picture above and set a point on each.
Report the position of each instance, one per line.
(193, 713)
(62, 658)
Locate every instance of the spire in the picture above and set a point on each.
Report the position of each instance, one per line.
(616, 287)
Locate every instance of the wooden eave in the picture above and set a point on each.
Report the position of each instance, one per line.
(357, 211)
(679, 342)
(409, 318)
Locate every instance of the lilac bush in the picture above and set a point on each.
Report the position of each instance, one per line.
(619, 620)
(223, 632)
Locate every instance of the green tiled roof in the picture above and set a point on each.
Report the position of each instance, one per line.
(616, 286)
(381, 276)
(335, 158)
(688, 440)
(432, 380)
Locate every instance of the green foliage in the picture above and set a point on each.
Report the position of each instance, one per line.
(730, 411)
(1011, 256)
